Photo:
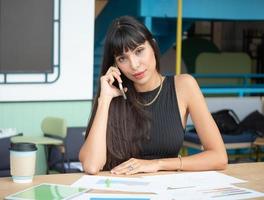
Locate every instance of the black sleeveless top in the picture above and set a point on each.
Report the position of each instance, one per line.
(166, 132)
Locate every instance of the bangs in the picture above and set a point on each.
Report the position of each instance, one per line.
(126, 39)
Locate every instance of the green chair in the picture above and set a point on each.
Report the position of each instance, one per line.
(228, 63)
(192, 47)
(54, 131)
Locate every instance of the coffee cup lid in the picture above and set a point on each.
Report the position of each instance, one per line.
(23, 146)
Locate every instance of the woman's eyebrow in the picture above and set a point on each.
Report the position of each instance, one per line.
(123, 54)
(120, 55)
(139, 46)
(132, 50)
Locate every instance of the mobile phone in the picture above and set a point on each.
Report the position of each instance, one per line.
(121, 88)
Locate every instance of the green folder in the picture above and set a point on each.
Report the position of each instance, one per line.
(47, 191)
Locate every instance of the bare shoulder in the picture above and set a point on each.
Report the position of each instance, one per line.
(186, 86)
(183, 81)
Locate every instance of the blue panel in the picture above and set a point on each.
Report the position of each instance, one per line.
(160, 8)
(205, 9)
(224, 9)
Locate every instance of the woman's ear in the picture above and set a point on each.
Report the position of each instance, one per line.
(155, 42)
(155, 45)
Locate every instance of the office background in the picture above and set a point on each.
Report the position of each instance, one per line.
(23, 106)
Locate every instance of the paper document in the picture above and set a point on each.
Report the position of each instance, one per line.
(119, 184)
(94, 196)
(224, 192)
(189, 179)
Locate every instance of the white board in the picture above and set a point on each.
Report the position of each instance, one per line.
(75, 81)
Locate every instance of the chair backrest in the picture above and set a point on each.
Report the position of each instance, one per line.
(222, 63)
(4, 155)
(72, 142)
(54, 126)
(192, 47)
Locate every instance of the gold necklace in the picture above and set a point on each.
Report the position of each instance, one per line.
(156, 96)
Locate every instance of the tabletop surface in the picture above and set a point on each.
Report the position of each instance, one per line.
(251, 172)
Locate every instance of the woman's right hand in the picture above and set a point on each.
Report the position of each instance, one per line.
(107, 87)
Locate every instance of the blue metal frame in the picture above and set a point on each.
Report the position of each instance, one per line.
(241, 90)
(244, 77)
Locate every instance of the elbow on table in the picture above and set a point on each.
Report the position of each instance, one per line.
(90, 168)
(222, 162)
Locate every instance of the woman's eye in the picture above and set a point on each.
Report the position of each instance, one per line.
(121, 59)
(139, 50)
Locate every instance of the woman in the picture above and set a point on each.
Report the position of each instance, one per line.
(145, 132)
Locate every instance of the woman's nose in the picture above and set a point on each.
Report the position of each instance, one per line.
(134, 63)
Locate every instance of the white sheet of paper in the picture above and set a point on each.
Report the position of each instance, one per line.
(224, 192)
(190, 179)
(119, 184)
(94, 196)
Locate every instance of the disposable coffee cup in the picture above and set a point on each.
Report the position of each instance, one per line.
(22, 162)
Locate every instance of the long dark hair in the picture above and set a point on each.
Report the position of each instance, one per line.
(128, 122)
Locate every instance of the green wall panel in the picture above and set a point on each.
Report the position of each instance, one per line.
(26, 117)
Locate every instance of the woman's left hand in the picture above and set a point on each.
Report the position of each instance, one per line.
(133, 166)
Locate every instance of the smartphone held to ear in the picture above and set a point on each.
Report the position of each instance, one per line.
(121, 88)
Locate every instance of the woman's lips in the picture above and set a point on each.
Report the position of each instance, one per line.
(139, 75)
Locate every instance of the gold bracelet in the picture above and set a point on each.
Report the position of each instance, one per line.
(180, 158)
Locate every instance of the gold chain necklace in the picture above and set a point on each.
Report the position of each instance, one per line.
(156, 96)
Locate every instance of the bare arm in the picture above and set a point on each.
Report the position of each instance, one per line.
(214, 155)
(93, 152)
